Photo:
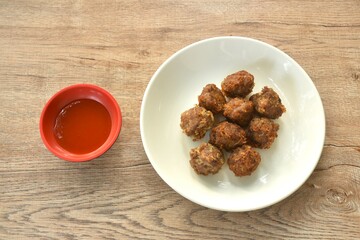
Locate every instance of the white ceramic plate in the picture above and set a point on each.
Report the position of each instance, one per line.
(174, 88)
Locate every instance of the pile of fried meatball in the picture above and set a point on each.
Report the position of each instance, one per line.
(249, 123)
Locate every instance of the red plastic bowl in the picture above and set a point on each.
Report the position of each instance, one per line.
(63, 98)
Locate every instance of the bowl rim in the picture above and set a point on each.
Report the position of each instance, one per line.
(113, 135)
(322, 127)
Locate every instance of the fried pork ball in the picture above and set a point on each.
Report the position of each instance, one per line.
(239, 110)
(244, 160)
(212, 99)
(238, 84)
(227, 136)
(196, 121)
(206, 159)
(262, 132)
(268, 103)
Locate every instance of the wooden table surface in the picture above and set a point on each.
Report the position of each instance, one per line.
(118, 45)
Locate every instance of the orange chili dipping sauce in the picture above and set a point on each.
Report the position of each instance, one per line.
(82, 126)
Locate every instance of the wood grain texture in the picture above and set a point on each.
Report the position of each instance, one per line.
(118, 45)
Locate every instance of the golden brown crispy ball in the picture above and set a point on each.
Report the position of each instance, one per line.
(262, 132)
(227, 136)
(239, 110)
(206, 159)
(196, 121)
(212, 99)
(238, 84)
(244, 160)
(268, 103)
